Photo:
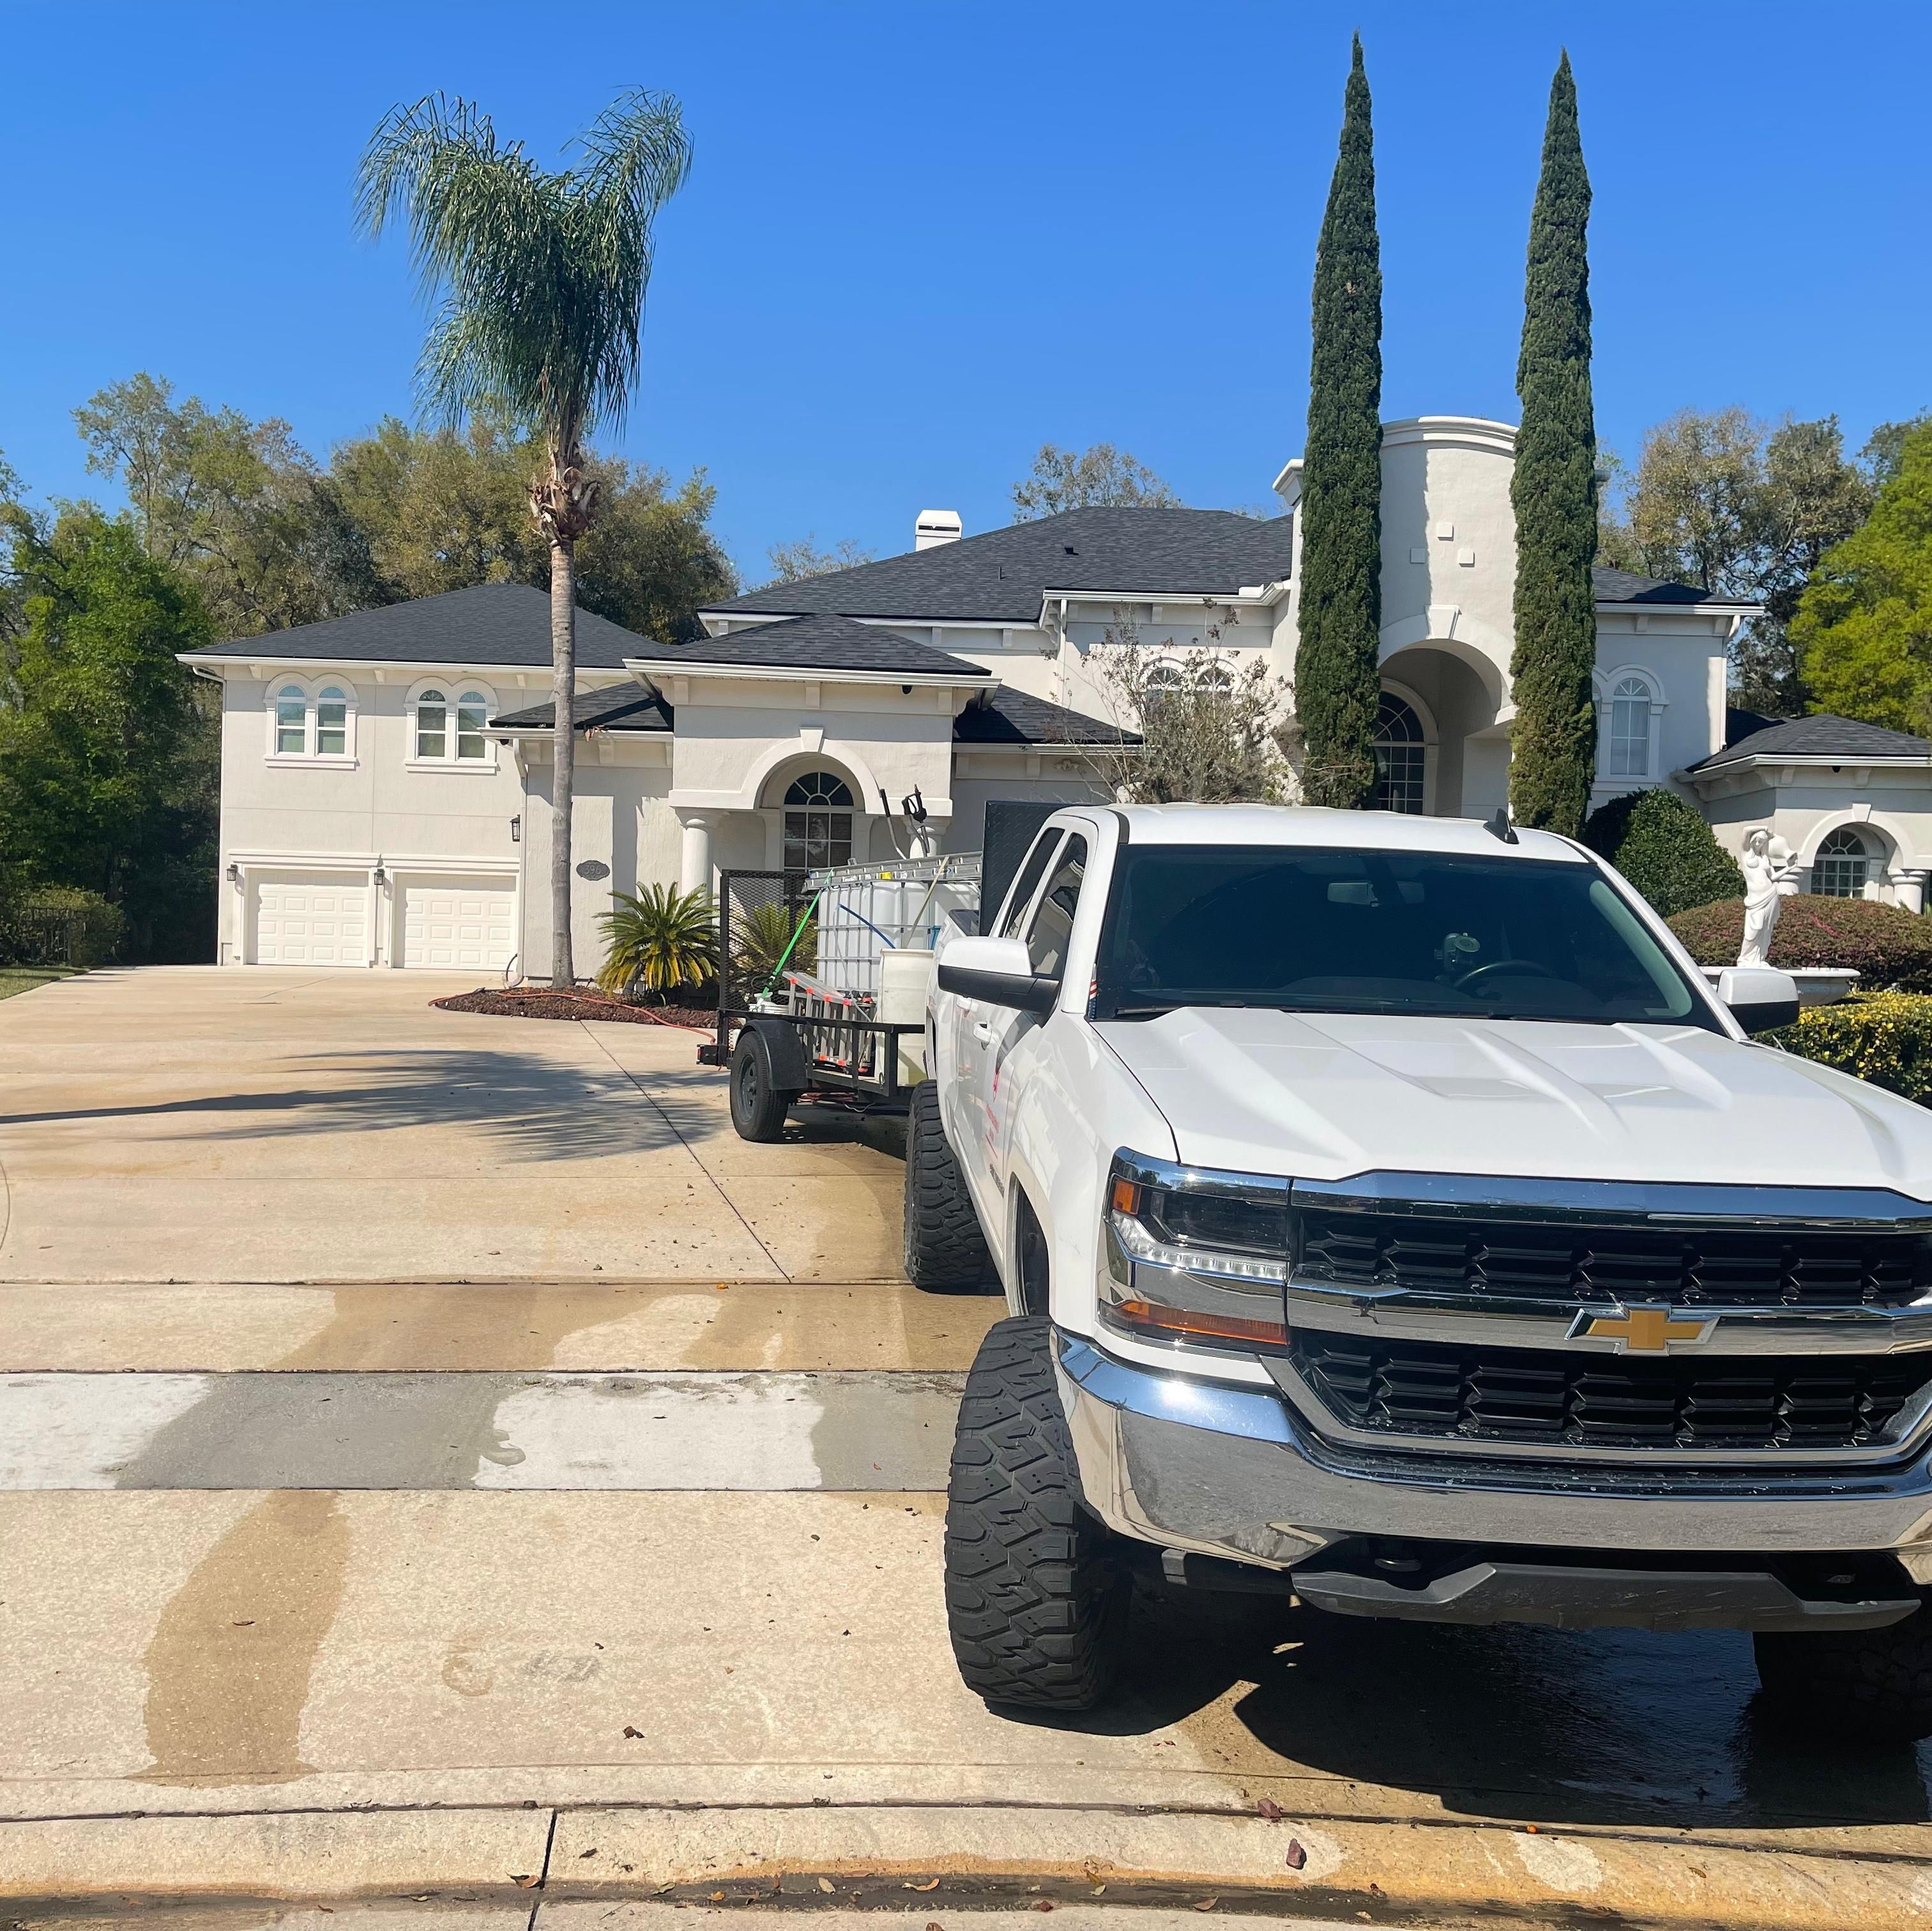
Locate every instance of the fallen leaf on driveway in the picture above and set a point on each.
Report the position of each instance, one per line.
(825, 1884)
(1296, 1856)
(630, 1732)
(1207, 1904)
(1044, 1904)
(525, 1883)
(1270, 1809)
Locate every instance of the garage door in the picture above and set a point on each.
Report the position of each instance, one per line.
(460, 922)
(311, 917)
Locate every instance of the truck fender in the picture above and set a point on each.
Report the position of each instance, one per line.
(789, 1068)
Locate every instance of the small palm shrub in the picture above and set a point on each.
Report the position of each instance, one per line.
(1885, 1038)
(1660, 843)
(1888, 949)
(660, 940)
(759, 934)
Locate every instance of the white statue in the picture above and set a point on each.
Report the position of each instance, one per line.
(1770, 877)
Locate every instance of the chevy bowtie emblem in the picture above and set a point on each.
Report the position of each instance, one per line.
(1640, 1330)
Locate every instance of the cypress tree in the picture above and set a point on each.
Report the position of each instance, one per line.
(1554, 493)
(1337, 685)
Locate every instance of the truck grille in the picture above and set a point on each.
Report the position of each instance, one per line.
(1522, 1396)
(1703, 1267)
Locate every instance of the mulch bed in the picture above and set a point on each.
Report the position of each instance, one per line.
(541, 1003)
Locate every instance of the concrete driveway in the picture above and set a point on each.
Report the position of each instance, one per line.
(273, 1125)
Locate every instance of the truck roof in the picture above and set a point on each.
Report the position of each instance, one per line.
(1318, 825)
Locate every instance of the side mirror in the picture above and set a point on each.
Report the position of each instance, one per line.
(997, 971)
(1760, 999)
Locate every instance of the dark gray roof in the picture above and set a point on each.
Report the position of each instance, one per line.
(999, 577)
(815, 643)
(622, 708)
(488, 623)
(1011, 717)
(1838, 740)
(1626, 586)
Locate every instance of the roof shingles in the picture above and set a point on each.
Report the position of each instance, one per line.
(1823, 738)
(819, 642)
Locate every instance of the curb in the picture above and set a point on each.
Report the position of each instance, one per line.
(809, 1855)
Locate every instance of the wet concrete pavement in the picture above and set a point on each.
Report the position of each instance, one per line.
(436, 1586)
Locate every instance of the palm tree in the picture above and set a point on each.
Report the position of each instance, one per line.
(540, 278)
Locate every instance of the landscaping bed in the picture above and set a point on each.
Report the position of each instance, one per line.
(542, 1003)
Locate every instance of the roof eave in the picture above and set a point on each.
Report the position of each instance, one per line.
(969, 678)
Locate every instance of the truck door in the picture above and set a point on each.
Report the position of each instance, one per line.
(1014, 1042)
(974, 1025)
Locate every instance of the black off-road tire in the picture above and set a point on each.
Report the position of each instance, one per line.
(1857, 1685)
(945, 1251)
(1036, 1598)
(758, 1104)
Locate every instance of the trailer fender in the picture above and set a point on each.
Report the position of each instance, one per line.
(789, 1068)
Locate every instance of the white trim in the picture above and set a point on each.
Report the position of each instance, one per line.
(316, 761)
(651, 668)
(423, 666)
(1604, 693)
(452, 698)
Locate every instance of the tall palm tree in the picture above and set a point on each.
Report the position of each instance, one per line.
(540, 279)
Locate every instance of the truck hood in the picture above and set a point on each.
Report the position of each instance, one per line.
(1323, 1095)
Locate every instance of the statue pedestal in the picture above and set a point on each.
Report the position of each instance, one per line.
(1817, 985)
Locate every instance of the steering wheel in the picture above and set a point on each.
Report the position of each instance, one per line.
(1520, 967)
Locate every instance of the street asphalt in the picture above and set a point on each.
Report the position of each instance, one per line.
(526, 1505)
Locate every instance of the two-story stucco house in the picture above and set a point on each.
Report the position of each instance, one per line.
(386, 777)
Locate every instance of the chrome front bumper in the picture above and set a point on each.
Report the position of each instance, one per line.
(1205, 1468)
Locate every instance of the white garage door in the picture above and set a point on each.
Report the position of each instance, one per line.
(460, 922)
(311, 918)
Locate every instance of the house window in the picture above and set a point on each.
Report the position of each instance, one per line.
(472, 707)
(432, 724)
(331, 722)
(1630, 729)
(291, 721)
(1843, 865)
(1400, 749)
(818, 822)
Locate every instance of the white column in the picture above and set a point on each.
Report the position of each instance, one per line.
(695, 866)
(1908, 887)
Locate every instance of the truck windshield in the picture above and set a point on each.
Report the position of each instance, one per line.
(1319, 931)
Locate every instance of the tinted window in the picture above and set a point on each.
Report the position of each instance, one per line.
(1370, 931)
(1021, 896)
(1053, 923)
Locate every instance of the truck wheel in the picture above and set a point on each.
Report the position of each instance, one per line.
(1036, 1602)
(1862, 1685)
(944, 1248)
(758, 1105)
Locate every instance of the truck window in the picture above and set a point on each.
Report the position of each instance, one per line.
(1020, 896)
(1053, 923)
(1308, 929)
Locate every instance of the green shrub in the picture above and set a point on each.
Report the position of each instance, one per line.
(1889, 949)
(1660, 843)
(660, 939)
(58, 924)
(1885, 1038)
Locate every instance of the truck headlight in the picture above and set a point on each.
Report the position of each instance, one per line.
(1192, 1257)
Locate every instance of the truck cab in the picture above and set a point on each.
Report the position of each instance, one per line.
(1389, 1214)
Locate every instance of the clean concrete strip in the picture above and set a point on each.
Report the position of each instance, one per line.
(1389, 1866)
(842, 1431)
(274, 1854)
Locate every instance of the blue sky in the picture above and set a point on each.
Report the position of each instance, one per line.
(919, 240)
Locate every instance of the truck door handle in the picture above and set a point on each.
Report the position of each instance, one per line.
(982, 1031)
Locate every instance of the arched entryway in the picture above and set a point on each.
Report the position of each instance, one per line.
(1439, 747)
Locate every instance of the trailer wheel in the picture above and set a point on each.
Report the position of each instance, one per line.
(1859, 1686)
(1035, 1596)
(758, 1103)
(944, 1248)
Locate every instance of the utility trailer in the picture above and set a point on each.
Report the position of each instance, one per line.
(822, 978)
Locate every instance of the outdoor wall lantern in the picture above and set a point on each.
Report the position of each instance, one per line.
(517, 829)
(382, 876)
(233, 874)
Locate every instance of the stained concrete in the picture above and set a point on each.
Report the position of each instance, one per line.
(849, 1431)
(255, 1125)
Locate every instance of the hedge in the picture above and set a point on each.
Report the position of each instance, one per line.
(1661, 844)
(1890, 950)
(58, 924)
(1885, 1038)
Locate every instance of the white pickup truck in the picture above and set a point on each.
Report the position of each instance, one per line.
(1389, 1213)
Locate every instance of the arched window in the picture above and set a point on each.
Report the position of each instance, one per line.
(291, 721)
(1401, 748)
(432, 724)
(1631, 701)
(818, 822)
(332, 722)
(472, 707)
(1165, 678)
(1843, 865)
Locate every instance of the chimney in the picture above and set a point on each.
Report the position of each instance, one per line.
(935, 527)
